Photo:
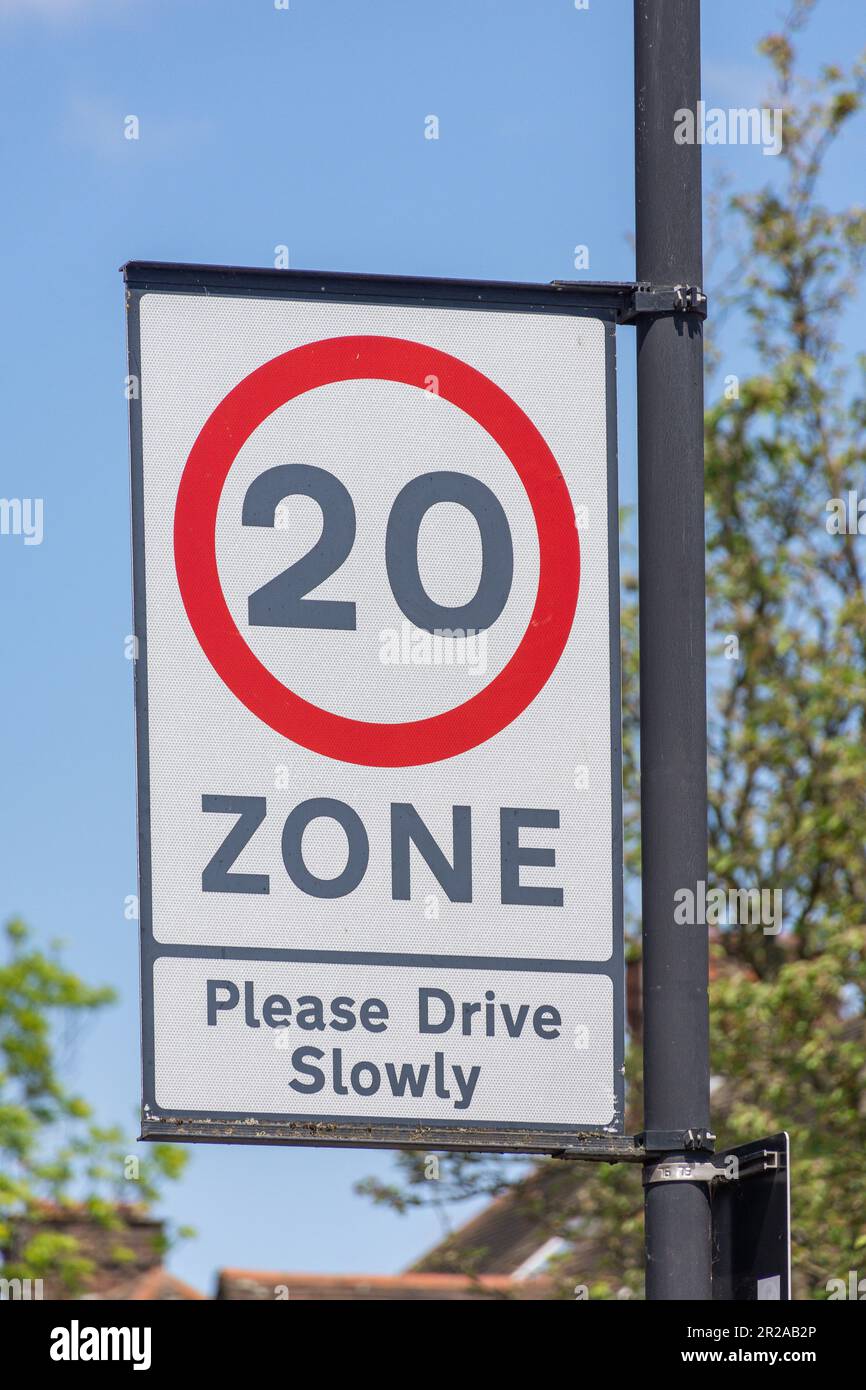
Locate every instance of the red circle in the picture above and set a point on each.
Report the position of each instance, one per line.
(353, 740)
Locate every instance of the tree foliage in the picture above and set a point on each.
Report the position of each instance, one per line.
(52, 1151)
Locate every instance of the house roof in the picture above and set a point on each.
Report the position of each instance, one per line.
(508, 1231)
(158, 1286)
(244, 1284)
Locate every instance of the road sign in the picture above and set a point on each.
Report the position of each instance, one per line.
(751, 1213)
(377, 694)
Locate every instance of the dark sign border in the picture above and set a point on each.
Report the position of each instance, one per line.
(600, 301)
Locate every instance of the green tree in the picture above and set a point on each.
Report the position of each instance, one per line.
(787, 697)
(51, 1149)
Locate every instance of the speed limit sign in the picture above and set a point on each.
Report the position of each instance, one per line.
(376, 595)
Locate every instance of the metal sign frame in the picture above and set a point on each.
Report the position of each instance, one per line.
(751, 1216)
(608, 302)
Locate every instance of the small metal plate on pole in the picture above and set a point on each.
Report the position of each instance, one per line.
(751, 1214)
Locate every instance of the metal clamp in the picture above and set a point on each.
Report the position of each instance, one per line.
(673, 1141)
(724, 1167)
(652, 300)
(633, 300)
(682, 1169)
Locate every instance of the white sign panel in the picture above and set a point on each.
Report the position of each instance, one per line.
(378, 724)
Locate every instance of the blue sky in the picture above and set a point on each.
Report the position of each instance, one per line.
(258, 128)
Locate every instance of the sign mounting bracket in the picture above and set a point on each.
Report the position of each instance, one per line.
(641, 299)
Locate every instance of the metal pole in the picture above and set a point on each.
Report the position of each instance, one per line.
(672, 637)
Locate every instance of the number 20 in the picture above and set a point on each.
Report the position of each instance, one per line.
(283, 601)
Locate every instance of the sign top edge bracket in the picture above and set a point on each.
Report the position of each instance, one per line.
(606, 298)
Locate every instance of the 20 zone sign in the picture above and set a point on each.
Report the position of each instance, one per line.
(377, 706)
